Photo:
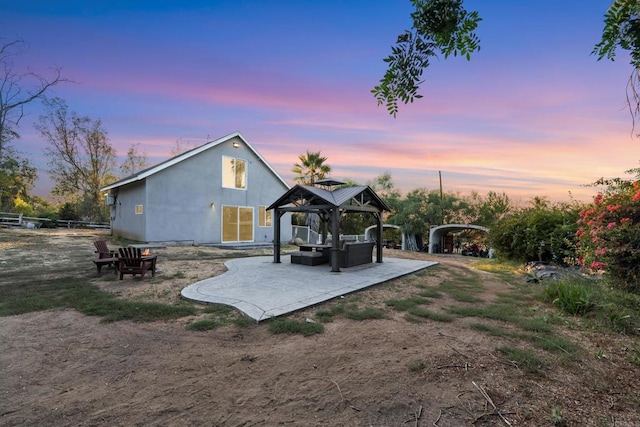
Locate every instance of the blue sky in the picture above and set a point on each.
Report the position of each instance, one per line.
(532, 114)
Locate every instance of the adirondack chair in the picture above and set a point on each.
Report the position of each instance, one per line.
(131, 261)
(105, 256)
(103, 250)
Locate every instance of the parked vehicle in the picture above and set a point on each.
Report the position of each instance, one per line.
(473, 249)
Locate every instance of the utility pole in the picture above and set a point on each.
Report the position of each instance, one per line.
(441, 198)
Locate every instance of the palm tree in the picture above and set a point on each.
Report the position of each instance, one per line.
(311, 168)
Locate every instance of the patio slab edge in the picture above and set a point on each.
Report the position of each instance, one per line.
(262, 289)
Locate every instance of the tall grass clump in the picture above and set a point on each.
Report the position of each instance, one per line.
(292, 326)
(573, 295)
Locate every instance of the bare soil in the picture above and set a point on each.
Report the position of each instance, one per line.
(63, 368)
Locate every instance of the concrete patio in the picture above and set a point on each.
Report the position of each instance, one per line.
(262, 289)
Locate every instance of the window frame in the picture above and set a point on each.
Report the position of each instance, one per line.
(249, 212)
(265, 217)
(234, 178)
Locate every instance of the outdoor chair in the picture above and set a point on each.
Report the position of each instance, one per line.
(103, 251)
(105, 256)
(131, 261)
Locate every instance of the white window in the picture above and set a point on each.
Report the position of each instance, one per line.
(264, 217)
(139, 210)
(234, 173)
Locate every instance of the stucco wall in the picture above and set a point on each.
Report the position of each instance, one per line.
(184, 201)
(124, 221)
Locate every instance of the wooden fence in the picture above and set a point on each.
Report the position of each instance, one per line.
(11, 219)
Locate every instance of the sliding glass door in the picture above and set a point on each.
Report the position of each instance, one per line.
(237, 224)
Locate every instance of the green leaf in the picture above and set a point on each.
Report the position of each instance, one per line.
(440, 27)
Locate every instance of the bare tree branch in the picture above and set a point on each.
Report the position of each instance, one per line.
(633, 97)
(19, 89)
(80, 154)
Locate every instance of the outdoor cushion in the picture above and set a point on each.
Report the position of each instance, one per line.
(308, 258)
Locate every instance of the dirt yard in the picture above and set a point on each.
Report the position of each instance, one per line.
(62, 368)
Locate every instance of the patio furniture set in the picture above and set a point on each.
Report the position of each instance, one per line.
(134, 261)
(124, 261)
(350, 254)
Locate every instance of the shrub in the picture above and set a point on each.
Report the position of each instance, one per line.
(609, 233)
(539, 233)
(21, 206)
(68, 211)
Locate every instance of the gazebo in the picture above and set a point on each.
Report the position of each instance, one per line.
(329, 203)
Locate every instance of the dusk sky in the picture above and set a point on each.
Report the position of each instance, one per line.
(532, 114)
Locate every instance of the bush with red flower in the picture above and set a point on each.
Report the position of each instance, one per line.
(609, 232)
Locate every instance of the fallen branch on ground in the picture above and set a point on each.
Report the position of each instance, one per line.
(488, 399)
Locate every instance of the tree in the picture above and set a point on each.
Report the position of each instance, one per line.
(421, 209)
(18, 90)
(180, 147)
(447, 208)
(494, 208)
(486, 210)
(311, 168)
(439, 26)
(17, 178)
(411, 216)
(68, 211)
(384, 187)
(622, 30)
(134, 162)
(445, 27)
(80, 156)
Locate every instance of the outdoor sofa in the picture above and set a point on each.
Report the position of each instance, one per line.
(351, 253)
(356, 253)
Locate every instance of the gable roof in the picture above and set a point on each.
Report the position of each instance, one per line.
(357, 198)
(143, 174)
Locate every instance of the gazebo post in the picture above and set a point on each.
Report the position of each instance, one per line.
(379, 242)
(276, 236)
(335, 239)
(325, 220)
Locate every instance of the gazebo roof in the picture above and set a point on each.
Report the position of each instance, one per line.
(307, 198)
(328, 182)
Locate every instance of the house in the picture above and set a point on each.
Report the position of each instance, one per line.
(217, 193)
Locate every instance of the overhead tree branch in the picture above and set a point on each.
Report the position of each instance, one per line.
(19, 89)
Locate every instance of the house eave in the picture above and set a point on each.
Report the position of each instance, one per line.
(179, 158)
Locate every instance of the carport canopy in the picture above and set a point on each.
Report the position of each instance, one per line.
(437, 233)
(329, 204)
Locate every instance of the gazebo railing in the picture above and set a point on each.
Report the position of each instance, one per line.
(305, 233)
